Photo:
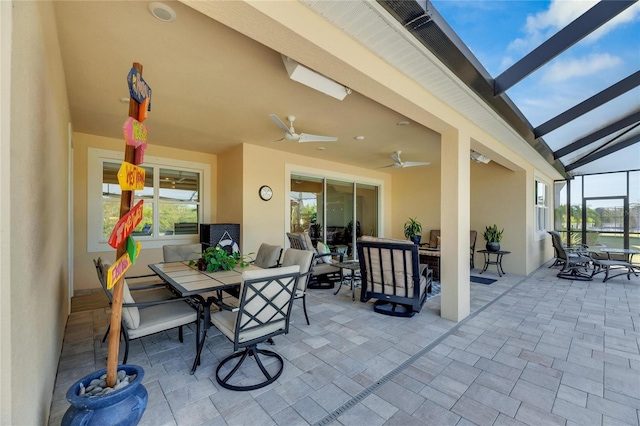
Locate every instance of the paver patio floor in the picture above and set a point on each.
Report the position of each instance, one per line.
(535, 350)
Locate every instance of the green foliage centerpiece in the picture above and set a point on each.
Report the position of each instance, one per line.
(216, 259)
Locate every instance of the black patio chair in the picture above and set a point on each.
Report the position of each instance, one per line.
(391, 273)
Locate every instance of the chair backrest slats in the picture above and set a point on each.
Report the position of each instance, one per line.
(265, 303)
(391, 267)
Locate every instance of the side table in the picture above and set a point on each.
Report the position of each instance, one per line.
(498, 262)
(354, 267)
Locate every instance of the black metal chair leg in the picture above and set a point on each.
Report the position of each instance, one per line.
(180, 335)
(106, 334)
(126, 345)
(304, 307)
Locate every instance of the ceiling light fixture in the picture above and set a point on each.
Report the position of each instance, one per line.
(402, 123)
(162, 12)
(359, 138)
(321, 148)
(479, 158)
(124, 100)
(310, 78)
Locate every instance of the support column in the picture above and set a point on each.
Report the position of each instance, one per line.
(455, 299)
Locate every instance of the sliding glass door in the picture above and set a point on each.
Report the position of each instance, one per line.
(326, 209)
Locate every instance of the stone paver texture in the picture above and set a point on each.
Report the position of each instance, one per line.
(535, 350)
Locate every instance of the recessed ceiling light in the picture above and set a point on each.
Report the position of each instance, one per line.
(124, 100)
(321, 148)
(359, 138)
(162, 12)
(402, 123)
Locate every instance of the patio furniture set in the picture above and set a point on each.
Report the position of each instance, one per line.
(252, 304)
(582, 263)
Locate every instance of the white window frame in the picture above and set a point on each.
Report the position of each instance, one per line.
(540, 230)
(95, 159)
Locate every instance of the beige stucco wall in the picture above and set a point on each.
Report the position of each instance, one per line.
(84, 271)
(230, 195)
(38, 200)
(498, 195)
(416, 194)
(265, 221)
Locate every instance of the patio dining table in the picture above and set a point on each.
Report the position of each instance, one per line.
(188, 281)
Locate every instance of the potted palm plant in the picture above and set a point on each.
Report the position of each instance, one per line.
(493, 237)
(413, 230)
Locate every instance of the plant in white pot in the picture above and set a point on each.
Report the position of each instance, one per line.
(493, 237)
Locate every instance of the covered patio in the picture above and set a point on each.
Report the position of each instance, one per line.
(534, 350)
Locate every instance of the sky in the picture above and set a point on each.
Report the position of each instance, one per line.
(501, 32)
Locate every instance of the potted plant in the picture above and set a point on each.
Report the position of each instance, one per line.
(413, 230)
(493, 237)
(216, 259)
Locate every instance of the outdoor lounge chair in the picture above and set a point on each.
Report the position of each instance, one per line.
(575, 266)
(323, 275)
(391, 273)
(266, 298)
(141, 319)
(620, 266)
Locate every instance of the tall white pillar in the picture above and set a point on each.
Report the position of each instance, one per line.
(455, 299)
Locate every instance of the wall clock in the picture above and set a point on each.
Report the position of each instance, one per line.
(265, 192)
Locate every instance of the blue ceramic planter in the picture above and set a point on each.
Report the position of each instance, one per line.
(122, 407)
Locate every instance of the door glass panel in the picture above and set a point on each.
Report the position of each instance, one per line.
(605, 222)
(576, 206)
(306, 206)
(367, 210)
(339, 214)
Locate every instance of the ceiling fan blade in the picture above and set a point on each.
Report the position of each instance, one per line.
(415, 163)
(396, 157)
(280, 123)
(304, 137)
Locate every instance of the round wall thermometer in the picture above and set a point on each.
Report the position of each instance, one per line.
(265, 192)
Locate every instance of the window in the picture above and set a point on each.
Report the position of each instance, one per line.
(542, 207)
(172, 194)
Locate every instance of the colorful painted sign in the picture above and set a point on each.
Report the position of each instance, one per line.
(142, 109)
(139, 154)
(135, 133)
(131, 177)
(133, 248)
(138, 88)
(117, 270)
(126, 225)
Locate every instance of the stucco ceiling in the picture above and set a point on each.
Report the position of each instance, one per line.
(214, 88)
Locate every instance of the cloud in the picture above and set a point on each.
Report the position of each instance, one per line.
(566, 69)
(542, 25)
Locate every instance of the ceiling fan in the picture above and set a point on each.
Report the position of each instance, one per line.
(397, 162)
(291, 135)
